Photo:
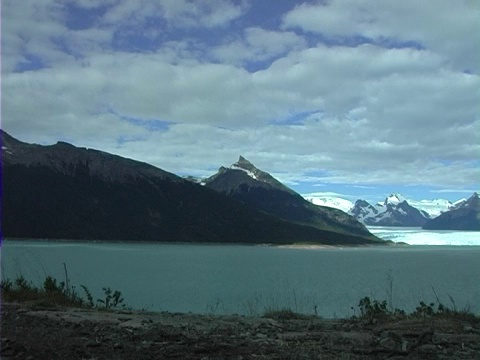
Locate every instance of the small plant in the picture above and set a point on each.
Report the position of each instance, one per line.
(6, 285)
(423, 310)
(372, 309)
(50, 285)
(22, 284)
(112, 299)
(89, 296)
(376, 309)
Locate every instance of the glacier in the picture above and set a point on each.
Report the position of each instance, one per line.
(418, 236)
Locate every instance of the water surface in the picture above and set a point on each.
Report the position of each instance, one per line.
(251, 279)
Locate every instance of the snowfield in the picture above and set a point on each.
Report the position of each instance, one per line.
(418, 236)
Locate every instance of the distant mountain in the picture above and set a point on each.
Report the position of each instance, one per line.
(464, 215)
(458, 204)
(242, 181)
(329, 201)
(432, 207)
(394, 211)
(66, 192)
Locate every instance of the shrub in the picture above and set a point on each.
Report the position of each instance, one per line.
(56, 293)
(379, 310)
(112, 299)
(6, 285)
(50, 285)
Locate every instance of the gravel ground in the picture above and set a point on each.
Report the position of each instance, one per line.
(70, 333)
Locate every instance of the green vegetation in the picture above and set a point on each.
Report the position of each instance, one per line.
(379, 310)
(112, 299)
(55, 293)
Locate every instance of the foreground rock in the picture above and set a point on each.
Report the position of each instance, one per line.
(36, 333)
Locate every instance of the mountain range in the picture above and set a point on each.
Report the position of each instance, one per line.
(66, 192)
(395, 210)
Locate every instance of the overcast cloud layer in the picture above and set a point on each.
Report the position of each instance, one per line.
(344, 94)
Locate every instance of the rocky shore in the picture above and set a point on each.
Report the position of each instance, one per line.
(29, 332)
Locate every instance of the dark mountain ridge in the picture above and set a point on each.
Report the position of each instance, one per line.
(463, 216)
(65, 192)
(259, 190)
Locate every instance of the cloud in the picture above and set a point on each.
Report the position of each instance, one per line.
(466, 191)
(300, 105)
(452, 30)
(258, 45)
(29, 29)
(177, 13)
(362, 118)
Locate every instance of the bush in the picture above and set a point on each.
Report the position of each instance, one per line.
(112, 299)
(55, 293)
(6, 285)
(379, 310)
(50, 285)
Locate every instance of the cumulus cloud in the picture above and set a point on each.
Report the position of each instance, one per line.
(258, 45)
(442, 26)
(29, 30)
(177, 13)
(207, 13)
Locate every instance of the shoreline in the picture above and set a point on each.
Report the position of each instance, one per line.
(326, 246)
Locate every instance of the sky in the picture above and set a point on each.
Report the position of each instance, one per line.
(355, 98)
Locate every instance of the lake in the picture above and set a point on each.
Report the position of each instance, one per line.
(226, 279)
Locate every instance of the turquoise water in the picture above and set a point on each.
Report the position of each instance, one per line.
(226, 279)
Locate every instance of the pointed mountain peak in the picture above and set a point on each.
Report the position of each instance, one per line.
(246, 166)
(243, 163)
(473, 202)
(241, 159)
(243, 171)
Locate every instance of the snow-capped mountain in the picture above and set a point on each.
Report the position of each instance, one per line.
(464, 215)
(432, 207)
(329, 201)
(393, 199)
(393, 211)
(458, 204)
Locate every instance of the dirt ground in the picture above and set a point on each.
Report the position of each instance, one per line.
(67, 333)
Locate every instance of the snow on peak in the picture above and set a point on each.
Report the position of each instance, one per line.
(249, 173)
(329, 201)
(246, 166)
(394, 199)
